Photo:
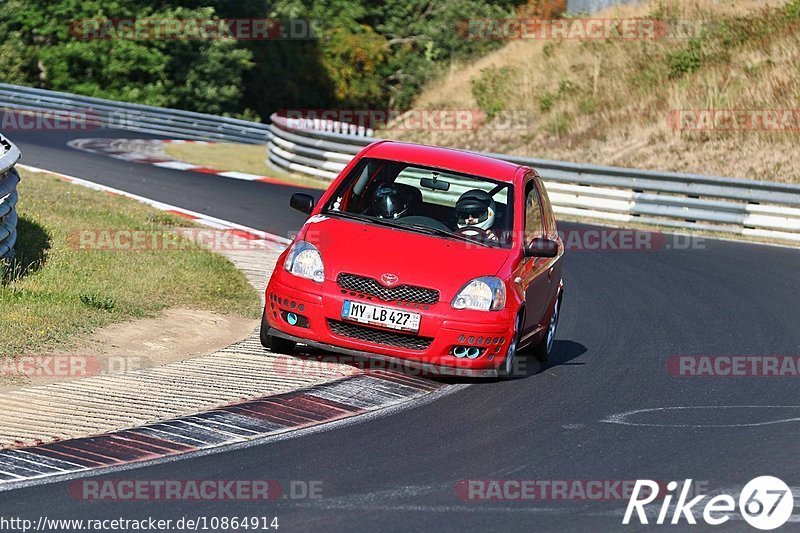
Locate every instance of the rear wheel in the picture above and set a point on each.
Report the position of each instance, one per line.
(543, 350)
(273, 343)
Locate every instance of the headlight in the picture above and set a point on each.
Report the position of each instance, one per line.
(484, 294)
(305, 261)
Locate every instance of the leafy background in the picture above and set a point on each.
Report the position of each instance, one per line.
(367, 54)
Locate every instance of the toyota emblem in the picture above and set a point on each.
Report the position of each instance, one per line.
(389, 279)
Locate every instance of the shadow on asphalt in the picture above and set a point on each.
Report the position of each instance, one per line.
(564, 352)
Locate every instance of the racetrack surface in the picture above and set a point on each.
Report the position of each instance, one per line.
(262, 206)
(624, 314)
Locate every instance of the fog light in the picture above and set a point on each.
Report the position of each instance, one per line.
(460, 351)
(473, 353)
(291, 318)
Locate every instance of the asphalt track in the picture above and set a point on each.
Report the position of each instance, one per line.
(624, 314)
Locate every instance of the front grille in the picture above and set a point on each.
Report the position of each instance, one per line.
(401, 293)
(379, 336)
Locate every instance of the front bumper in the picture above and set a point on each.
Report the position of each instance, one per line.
(392, 362)
(441, 328)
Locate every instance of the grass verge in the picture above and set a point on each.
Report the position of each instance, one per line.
(247, 158)
(53, 293)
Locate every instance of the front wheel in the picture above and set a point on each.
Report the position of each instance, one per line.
(543, 350)
(273, 343)
(511, 365)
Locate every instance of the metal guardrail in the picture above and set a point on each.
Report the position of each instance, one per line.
(98, 112)
(691, 201)
(9, 155)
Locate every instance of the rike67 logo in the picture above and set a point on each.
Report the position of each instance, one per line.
(765, 503)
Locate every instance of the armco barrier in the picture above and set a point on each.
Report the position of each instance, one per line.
(9, 155)
(122, 115)
(692, 201)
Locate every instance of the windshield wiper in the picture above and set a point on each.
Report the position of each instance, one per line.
(345, 214)
(444, 233)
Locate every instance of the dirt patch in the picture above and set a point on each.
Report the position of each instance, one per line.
(175, 335)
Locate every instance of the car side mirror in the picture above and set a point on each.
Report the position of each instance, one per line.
(540, 247)
(302, 202)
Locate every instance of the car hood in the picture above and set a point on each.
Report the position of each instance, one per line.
(415, 258)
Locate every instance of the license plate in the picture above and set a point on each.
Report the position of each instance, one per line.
(380, 316)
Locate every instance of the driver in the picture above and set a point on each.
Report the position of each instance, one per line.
(476, 209)
(390, 201)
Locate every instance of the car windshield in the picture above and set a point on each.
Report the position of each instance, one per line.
(426, 200)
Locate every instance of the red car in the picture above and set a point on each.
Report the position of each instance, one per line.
(430, 258)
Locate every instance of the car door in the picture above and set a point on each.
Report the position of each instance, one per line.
(554, 265)
(534, 270)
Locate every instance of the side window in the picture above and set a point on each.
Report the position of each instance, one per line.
(547, 209)
(533, 213)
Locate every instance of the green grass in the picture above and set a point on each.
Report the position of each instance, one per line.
(53, 294)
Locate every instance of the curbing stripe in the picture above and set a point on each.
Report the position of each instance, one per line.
(38, 460)
(130, 150)
(164, 433)
(83, 462)
(206, 437)
(167, 446)
(16, 468)
(245, 421)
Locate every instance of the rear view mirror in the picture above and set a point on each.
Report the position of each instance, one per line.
(540, 247)
(436, 185)
(302, 202)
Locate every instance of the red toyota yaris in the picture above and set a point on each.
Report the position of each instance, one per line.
(429, 258)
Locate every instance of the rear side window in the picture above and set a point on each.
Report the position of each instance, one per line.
(547, 208)
(534, 225)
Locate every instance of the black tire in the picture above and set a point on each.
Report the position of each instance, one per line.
(272, 343)
(543, 350)
(514, 363)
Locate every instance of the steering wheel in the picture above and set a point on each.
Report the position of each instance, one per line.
(473, 232)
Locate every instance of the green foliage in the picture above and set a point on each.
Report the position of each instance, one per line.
(198, 75)
(365, 54)
(353, 60)
(558, 125)
(103, 303)
(491, 88)
(792, 9)
(685, 61)
(546, 102)
(588, 105)
(549, 99)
